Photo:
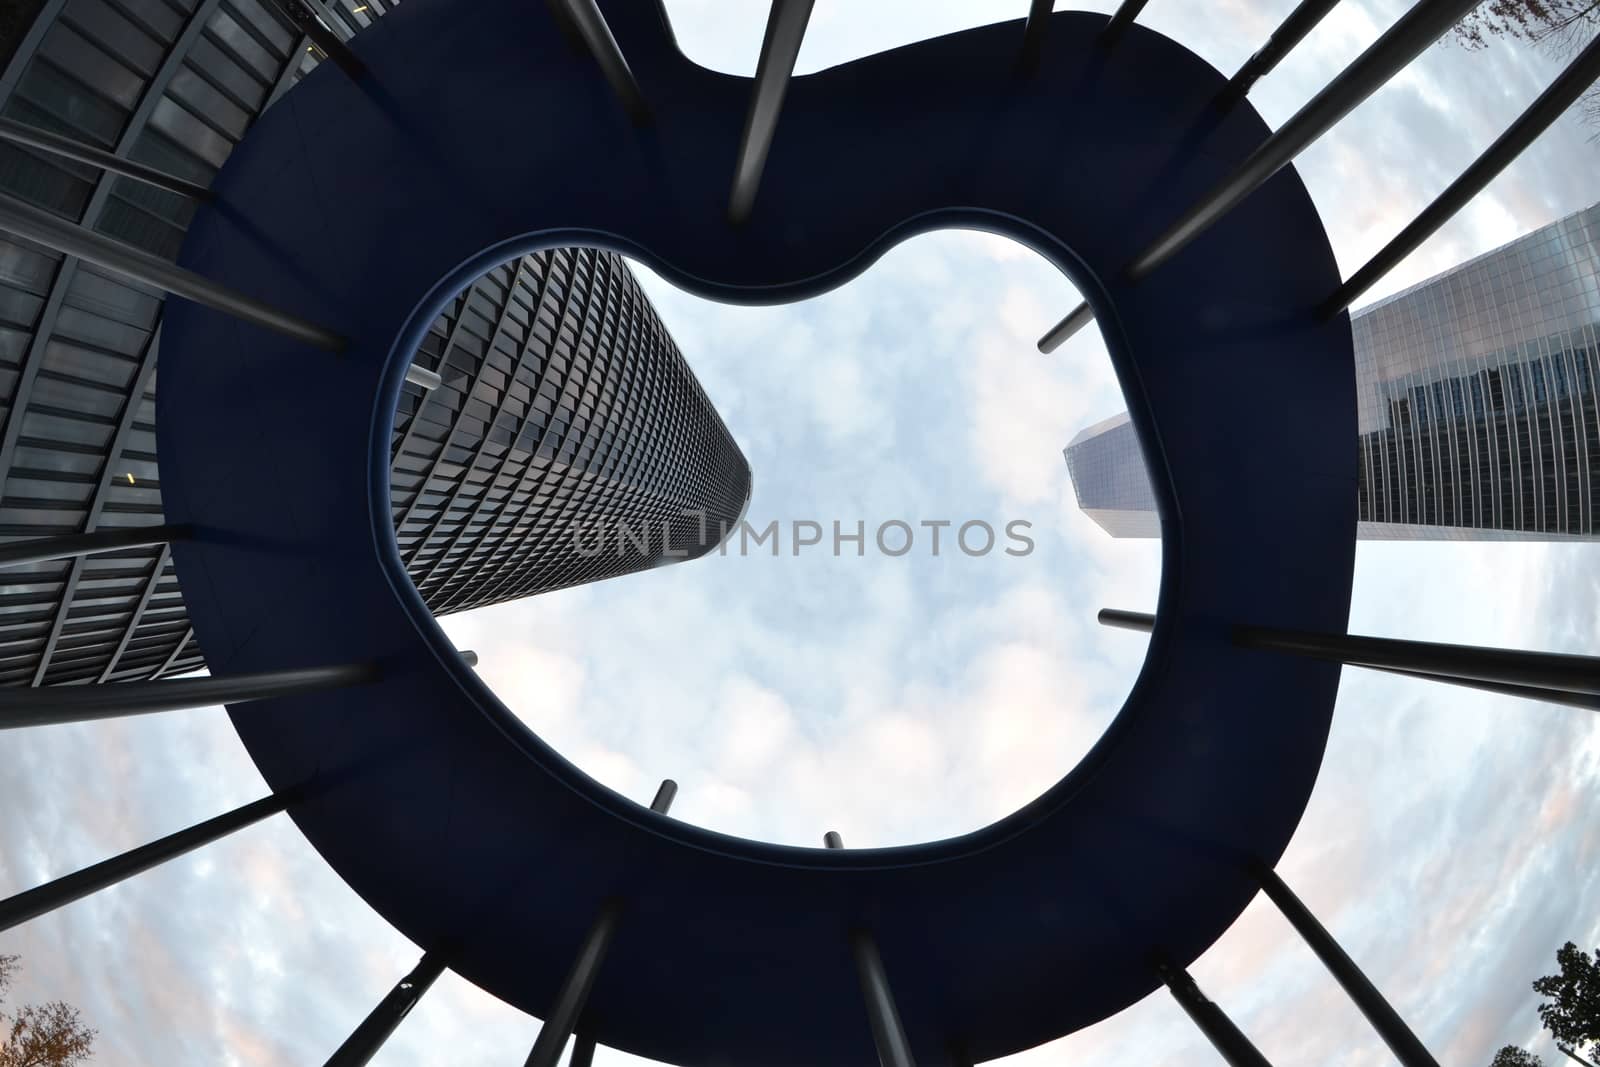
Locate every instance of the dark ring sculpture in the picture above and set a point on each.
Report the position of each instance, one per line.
(364, 204)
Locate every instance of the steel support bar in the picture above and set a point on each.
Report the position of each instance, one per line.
(422, 376)
(39, 225)
(1384, 1019)
(62, 704)
(469, 657)
(1033, 34)
(359, 1048)
(1225, 1037)
(41, 549)
(35, 902)
(1301, 21)
(888, 1034)
(54, 143)
(585, 17)
(1122, 20)
(1061, 332)
(1414, 31)
(1547, 676)
(1562, 94)
(786, 28)
(1569, 1054)
(582, 1051)
(563, 1018)
(328, 43)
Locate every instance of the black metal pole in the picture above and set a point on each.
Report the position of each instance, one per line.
(39, 225)
(582, 1051)
(1301, 21)
(888, 1034)
(584, 17)
(1418, 28)
(1384, 1019)
(563, 1017)
(55, 143)
(32, 903)
(1225, 1037)
(1550, 105)
(1452, 664)
(327, 42)
(1033, 34)
(41, 549)
(1122, 20)
(363, 1044)
(780, 47)
(62, 704)
(1061, 332)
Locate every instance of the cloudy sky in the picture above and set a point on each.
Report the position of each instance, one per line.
(1450, 843)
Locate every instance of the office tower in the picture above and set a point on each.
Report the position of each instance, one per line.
(562, 395)
(1478, 416)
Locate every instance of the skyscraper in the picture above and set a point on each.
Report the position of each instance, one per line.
(1478, 413)
(561, 394)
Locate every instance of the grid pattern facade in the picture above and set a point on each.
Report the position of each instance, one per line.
(176, 84)
(1478, 411)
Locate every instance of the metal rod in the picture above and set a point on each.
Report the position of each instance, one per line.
(1569, 1054)
(1033, 34)
(1301, 21)
(41, 549)
(558, 1026)
(664, 796)
(585, 17)
(1547, 676)
(64, 890)
(887, 1032)
(422, 376)
(1061, 332)
(62, 704)
(56, 144)
(786, 28)
(39, 225)
(1384, 1019)
(1549, 106)
(470, 657)
(328, 43)
(359, 1048)
(1414, 31)
(1122, 20)
(582, 1051)
(1224, 1036)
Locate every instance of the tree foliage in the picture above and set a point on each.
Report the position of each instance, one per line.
(40, 1035)
(1512, 1056)
(1559, 26)
(1572, 1014)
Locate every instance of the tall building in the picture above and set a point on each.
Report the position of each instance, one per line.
(1478, 412)
(562, 394)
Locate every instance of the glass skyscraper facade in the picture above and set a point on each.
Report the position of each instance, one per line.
(563, 396)
(1478, 414)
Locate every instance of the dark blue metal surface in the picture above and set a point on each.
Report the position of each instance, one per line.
(479, 134)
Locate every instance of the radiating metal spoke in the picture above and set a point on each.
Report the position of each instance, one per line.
(41, 549)
(1225, 1037)
(1414, 31)
(421, 376)
(1550, 676)
(1122, 20)
(786, 28)
(39, 225)
(65, 890)
(54, 143)
(1061, 332)
(1562, 94)
(359, 1048)
(586, 19)
(1301, 21)
(1033, 32)
(52, 705)
(888, 1033)
(1384, 1019)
